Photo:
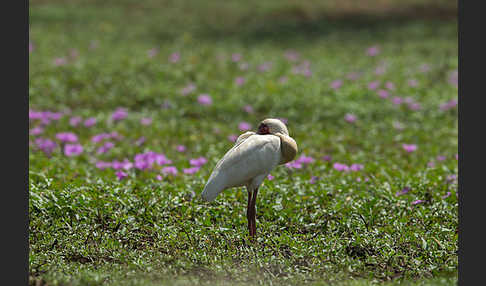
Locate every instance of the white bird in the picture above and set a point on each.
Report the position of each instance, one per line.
(250, 161)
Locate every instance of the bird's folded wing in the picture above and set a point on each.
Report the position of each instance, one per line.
(288, 147)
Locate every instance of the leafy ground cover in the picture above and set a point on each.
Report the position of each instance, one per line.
(132, 104)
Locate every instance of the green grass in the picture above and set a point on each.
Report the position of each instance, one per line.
(89, 228)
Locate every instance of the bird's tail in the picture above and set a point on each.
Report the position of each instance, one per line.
(212, 188)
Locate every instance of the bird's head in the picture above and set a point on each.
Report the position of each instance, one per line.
(272, 126)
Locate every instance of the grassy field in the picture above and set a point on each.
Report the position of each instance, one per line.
(132, 103)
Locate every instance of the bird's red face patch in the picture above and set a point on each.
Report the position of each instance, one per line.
(263, 129)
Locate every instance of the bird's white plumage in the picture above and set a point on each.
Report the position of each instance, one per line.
(247, 163)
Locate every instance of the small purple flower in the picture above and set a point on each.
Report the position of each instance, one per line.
(248, 109)
(59, 62)
(351, 118)
(457, 156)
(103, 165)
(292, 56)
(356, 167)
(403, 191)
(313, 180)
(204, 99)
(67, 137)
(397, 100)
(303, 159)
(412, 82)
(265, 66)
(236, 57)
(181, 148)
(409, 147)
(441, 158)
(188, 89)
(373, 51)
(239, 80)
(340, 167)
(74, 121)
(389, 85)
(89, 122)
(174, 57)
(100, 137)
(243, 126)
(140, 141)
(158, 178)
(448, 105)
(121, 175)
(46, 145)
(336, 84)
(431, 164)
(119, 114)
(380, 70)
(283, 79)
(232, 138)
(294, 165)
(418, 202)
(105, 148)
(284, 120)
(36, 131)
(270, 177)
(31, 47)
(446, 195)
(353, 76)
(383, 93)
(169, 170)
(451, 178)
(191, 170)
(373, 85)
(326, 158)
(71, 150)
(198, 162)
(146, 121)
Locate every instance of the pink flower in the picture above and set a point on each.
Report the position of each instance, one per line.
(294, 165)
(403, 191)
(67, 137)
(191, 170)
(181, 148)
(169, 170)
(60, 61)
(356, 167)
(236, 57)
(373, 51)
(409, 147)
(340, 167)
(103, 165)
(353, 76)
(140, 141)
(198, 162)
(243, 126)
(414, 106)
(284, 120)
(158, 178)
(383, 93)
(350, 118)
(389, 85)
(232, 138)
(188, 89)
(373, 85)
(336, 84)
(90, 122)
(36, 130)
(446, 195)
(326, 158)
(283, 79)
(174, 57)
(45, 145)
(105, 148)
(31, 47)
(380, 70)
(412, 82)
(74, 121)
(270, 177)
(303, 159)
(146, 121)
(292, 56)
(265, 66)
(71, 150)
(248, 108)
(205, 99)
(119, 114)
(448, 105)
(397, 100)
(418, 202)
(240, 80)
(121, 175)
(431, 164)
(441, 158)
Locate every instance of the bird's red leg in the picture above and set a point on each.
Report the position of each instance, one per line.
(253, 212)
(249, 213)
